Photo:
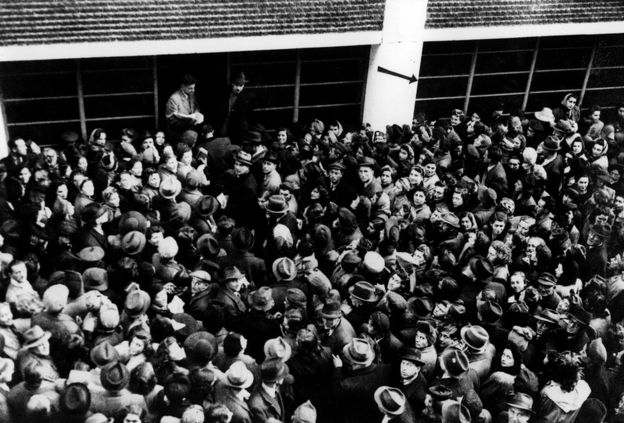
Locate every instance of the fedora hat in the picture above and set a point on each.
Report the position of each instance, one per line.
(208, 246)
(359, 352)
(114, 376)
(243, 238)
(95, 278)
(413, 355)
(231, 273)
(277, 205)
(420, 307)
(475, 337)
(373, 262)
(91, 254)
(284, 269)
(364, 291)
(208, 205)
(548, 316)
(132, 221)
(262, 299)
(490, 311)
(103, 353)
(455, 412)
(579, 314)
(75, 399)
(331, 310)
(133, 243)
(34, 337)
(238, 376)
(551, 144)
(305, 413)
(455, 362)
(253, 137)
(243, 158)
(337, 166)
(390, 401)
(545, 115)
(272, 370)
(277, 348)
(521, 401)
(170, 188)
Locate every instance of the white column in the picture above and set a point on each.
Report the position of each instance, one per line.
(390, 99)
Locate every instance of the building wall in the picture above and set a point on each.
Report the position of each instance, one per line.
(523, 73)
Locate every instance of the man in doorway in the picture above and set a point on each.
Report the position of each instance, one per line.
(182, 108)
(235, 110)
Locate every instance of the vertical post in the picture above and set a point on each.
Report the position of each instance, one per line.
(228, 67)
(4, 129)
(155, 89)
(81, 105)
(297, 93)
(588, 71)
(473, 66)
(527, 91)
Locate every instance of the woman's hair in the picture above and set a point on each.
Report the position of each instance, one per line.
(503, 252)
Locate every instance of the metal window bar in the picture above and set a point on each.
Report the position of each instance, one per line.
(588, 72)
(473, 66)
(130, 93)
(527, 91)
(43, 122)
(52, 97)
(297, 93)
(119, 117)
(155, 89)
(81, 104)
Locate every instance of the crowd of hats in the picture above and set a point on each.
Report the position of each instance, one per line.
(516, 252)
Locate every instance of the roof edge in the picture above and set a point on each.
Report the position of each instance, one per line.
(167, 47)
(519, 31)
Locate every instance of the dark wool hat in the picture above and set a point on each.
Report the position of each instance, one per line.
(490, 311)
(73, 281)
(578, 313)
(243, 238)
(103, 354)
(421, 307)
(191, 342)
(75, 400)
(133, 243)
(114, 376)
(413, 355)
(481, 268)
(95, 278)
(331, 310)
(272, 370)
(132, 221)
(454, 361)
(207, 206)
(208, 246)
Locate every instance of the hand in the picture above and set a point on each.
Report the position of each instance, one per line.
(337, 361)
(169, 287)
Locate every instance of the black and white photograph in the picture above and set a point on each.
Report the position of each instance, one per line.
(311, 211)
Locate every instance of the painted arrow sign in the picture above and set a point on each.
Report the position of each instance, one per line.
(411, 79)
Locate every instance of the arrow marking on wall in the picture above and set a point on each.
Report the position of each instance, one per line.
(411, 79)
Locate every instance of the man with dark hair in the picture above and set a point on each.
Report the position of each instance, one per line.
(234, 114)
(495, 176)
(182, 110)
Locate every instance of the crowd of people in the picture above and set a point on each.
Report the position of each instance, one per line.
(458, 269)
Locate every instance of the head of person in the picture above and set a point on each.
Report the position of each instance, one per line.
(238, 83)
(187, 84)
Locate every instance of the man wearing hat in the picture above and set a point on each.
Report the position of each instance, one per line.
(36, 349)
(234, 115)
(285, 273)
(232, 391)
(457, 375)
(241, 190)
(519, 409)
(253, 267)
(363, 297)
(413, 382)
(66, 335)
(336, 331)
(355, 382)
(546, 283)
(340, 191)
(393, 405)
(573, 336)
(597, 257)
(266, 400)
(114, 378)
(228, 296)
(202, 292)
(479, 350)
(259, 324)
(552, 164)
